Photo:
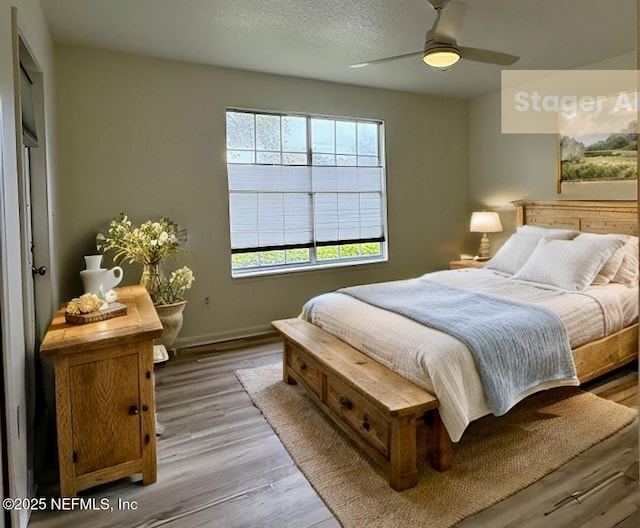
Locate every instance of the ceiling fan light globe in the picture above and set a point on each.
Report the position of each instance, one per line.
(441, 58)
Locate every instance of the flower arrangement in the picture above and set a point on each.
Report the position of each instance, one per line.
(149, 244)
(172, 289)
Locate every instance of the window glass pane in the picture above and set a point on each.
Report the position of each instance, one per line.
(371, 248)
(324, 159)
(322, 135)
(345, 137)
(240, 131)
(367, 161)
(346, 161)
(289, 158)
(297, 255)
(294, 134)
(270, 258)
(269, 158)
(327, 252)
(267, 132)
(240, 156)
(367, 139)
(349, 250)
(244, 260)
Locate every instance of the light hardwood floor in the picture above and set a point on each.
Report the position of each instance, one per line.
(221, 465)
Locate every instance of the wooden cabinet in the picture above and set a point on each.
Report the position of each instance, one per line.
(105, 407)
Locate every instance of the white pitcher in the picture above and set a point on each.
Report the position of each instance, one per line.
(95, 278)
(93, 262)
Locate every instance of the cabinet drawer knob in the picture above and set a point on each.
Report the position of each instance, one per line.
(133, 409)
(366, 425)
(345, 402)
(145, 408)
(303, 366)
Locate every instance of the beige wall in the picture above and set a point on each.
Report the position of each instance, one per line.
(508, 167)
(147, 137)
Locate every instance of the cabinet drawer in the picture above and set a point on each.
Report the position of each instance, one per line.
(360, 415)
(305, 368)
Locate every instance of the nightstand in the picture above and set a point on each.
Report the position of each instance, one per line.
(467, 263)
(105, 406)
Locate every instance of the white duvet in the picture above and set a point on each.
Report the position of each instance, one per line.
(443, 365)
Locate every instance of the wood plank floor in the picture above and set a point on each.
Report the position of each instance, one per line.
(221, 465)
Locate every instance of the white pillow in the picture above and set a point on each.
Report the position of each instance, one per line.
(519, 247)
(627, 273)
(568, 264)
(513, 253)
(610, 268)
(548, 232)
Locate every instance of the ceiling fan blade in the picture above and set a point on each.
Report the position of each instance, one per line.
(448, 22)
(387, 59)
(492, 57)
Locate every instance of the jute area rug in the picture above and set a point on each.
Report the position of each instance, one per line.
(496, 457)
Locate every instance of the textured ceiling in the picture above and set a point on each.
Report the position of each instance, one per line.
(318, 39)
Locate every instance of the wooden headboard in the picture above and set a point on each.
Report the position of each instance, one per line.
(588, 216)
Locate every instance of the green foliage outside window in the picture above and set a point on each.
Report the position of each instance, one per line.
(302, 255)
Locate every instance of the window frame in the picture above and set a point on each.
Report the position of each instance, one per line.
(314, 262)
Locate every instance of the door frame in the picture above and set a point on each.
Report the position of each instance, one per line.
(4, 466)
(12, 275)
(37, 291)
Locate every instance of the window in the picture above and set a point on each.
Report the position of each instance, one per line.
(304, 191)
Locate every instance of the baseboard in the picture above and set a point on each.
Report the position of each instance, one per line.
(188, 342)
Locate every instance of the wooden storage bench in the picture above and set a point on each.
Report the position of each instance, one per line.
(391, 419)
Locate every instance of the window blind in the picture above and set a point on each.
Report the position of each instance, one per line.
(288, 207)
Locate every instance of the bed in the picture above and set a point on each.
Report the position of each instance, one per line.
(367, 381)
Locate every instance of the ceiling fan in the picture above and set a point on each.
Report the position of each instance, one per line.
(441, 50)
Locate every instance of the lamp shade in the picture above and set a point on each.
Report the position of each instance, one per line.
(485, 222)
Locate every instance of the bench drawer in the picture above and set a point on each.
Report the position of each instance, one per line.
(359, 415)
(305, 368)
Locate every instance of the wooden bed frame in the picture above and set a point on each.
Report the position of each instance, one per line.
(395, 421)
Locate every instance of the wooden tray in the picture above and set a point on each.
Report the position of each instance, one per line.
(115, 309)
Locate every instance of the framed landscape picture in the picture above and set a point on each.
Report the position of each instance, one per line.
(596, 163)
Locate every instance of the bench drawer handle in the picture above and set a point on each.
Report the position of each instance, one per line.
(303, 366)
(344, 401)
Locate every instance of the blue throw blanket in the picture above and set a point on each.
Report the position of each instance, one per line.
(515, 346)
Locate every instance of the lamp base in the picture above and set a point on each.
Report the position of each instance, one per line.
(484, 247)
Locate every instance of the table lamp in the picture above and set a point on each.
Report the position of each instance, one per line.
(485, 222)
